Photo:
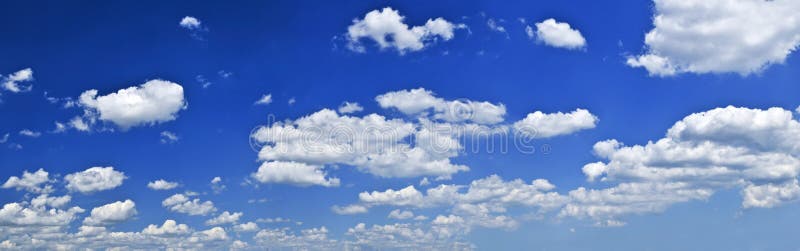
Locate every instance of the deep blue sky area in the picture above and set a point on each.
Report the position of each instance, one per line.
(298, 50)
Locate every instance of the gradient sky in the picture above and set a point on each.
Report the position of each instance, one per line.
(685, 141)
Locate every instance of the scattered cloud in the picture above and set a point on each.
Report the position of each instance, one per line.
(36, 182)
(13, 82)
(94, 179)
(417, 101)
(29, 133)
(543, 125)
(168, 137)
(224, 218)
(293, 173)
(195, 27)
(387, 28)
(216, 185)
(184, 204)
(264, 100)
(719, 36)
(162, 185)
(111, 213)
(347, 108)
(153, 102)
(557, 34)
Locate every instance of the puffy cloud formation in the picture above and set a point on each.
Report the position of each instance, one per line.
(400, 214)
(294, 173)
(153, 102)
(36, 182)
(224, 218)
(38, 213)
(111, 213)
(558, 34)
(298, 152)
(190, 23)
(482, 203)
(719, 36)
(753, 149)
(347, 108)
(405, 237)
(94, 179)
(183, 204)
(162, 185)
(416, 101)
(387, 28)
(542, 125)
(308, 239)
(372, 143)
(170, 227)
(13, 82)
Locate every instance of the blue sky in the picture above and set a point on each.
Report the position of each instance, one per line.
(653, 125)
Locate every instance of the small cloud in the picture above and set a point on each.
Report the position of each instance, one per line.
(203, 81)
(291, 101)
(264, 100)
(194, 25)
(216, 185)
(224, 74)
(30, 133)
(168, 137)
(162, 185)
(12, 82)
(348, 107)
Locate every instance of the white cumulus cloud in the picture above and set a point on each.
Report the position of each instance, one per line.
(387, 28)
(111, 213)
(719, 36)
(559, 34)
(153, 102)
(94, 179)
(162, 185)
(13, 82)
(545, 125)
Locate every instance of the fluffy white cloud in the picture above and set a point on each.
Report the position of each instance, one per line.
(770, 195)
(15, 215)
(416, 101)
(405, 236)
(225, 218)
(753, 149)
(12, 82)
(44, 200)
(294, 173)
(719, 36)
(264, 100)
(111, 213)
(190, 23)
(347, 108)
(162, 185)
(153, 102)
(170, 227)
(372, 143)
(542, 125)
(183, 204)
(559, 34)
(36, 182)
(387, 29)
(482, 204)
(308, 239)
(94, 179)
